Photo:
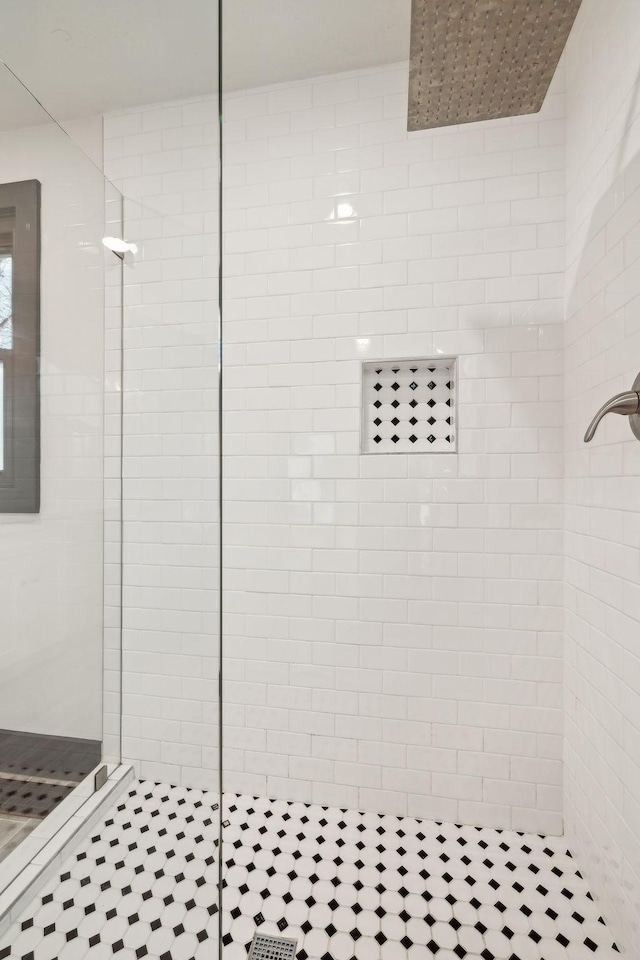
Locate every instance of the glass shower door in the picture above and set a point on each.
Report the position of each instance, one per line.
(54, 271)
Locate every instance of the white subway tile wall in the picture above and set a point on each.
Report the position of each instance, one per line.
(164, 159)
(602, 770)
(393, 623)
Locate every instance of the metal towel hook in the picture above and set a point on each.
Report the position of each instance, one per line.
(627, 403)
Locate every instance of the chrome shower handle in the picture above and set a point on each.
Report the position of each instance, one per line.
(627, 404)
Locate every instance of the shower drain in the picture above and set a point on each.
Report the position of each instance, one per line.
(265, 947)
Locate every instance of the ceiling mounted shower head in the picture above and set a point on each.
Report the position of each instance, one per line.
(482, 59)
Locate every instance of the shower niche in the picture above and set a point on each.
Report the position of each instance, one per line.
(409, 406)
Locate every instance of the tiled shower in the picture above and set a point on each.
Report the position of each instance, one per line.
(326, 590)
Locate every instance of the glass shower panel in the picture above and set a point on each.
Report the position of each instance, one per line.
(315, 283)
(149, 438)
(160, 147)
(164, 158)
(113, 480)
(170, 441)
(53, 270)
(7, 220)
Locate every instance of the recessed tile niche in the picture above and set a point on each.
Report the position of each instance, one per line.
(408, 406)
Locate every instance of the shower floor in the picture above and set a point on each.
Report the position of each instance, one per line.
(344, 884)
(38, 771)
(49, 758)
(12, 831)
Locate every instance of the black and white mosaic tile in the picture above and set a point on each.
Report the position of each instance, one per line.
(38, 771)
(48, 758)
(345, 885)
(409, 406)
(144, 883)
(30, 798)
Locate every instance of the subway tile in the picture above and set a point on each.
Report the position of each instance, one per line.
(363, 623)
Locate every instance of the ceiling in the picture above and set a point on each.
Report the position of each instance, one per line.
(271, 41)
(17, 107)
(81, 58)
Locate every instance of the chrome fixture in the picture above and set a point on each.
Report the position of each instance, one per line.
(627, 403)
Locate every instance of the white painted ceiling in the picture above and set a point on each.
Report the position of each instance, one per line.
(81, 58)
(270, 41)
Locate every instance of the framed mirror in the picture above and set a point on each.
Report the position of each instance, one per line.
(20, 347)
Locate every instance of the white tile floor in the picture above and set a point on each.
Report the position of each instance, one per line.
(345, 885)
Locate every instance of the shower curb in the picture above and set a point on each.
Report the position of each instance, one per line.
(41, 854)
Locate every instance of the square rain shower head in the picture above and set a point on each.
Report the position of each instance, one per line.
(483, 59)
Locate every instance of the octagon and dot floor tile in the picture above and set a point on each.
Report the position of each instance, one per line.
(346, 885)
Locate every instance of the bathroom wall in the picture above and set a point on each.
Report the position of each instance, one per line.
(393, 623)
(164, 158)
(51, 573)
(602, 740)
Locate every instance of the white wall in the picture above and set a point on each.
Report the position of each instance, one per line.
(51, 570)
(393, 623)
(164, 158)
(601, 751)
